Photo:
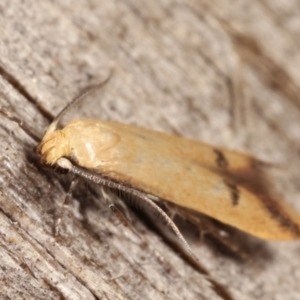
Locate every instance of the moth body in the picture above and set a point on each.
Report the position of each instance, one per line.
(223, 184)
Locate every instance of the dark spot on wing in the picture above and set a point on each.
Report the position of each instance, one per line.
(234, 192)
(221, 160)
(253, 179)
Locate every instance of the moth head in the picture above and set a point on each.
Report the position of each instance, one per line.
(53, 146)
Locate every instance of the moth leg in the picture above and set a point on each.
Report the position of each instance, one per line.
(199, 222)
(114, 202)
(66, 203)
(118, 207)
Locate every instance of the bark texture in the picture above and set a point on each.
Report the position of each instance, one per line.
(221, 71)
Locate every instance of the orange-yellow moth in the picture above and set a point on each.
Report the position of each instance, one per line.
(226, 185)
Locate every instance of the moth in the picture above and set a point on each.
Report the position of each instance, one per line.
(226, 185)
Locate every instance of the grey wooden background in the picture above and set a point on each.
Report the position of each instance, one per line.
(224, 72)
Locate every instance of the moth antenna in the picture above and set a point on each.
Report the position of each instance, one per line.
(99, 179)
(53, 126)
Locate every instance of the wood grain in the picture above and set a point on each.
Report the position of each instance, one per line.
(224, 72)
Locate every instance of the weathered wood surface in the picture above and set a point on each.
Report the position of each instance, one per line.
(225, 72)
